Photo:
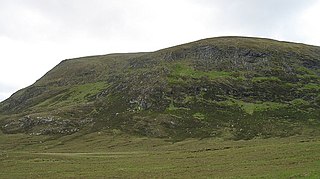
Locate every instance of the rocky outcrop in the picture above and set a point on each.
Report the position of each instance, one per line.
(43, 125)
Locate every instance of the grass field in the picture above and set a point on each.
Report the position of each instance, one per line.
(116, 155)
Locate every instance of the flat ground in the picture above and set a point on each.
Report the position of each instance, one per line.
(116, 155)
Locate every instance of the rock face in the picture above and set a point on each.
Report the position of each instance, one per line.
(43, 125)
(231, 87)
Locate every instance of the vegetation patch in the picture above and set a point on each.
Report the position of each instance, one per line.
(300, 102)
(311, 86)
(75, 95)
(81, 93)
(265, 79)
(183, 70)
(250, 108)
(171, 107)
(199, 116)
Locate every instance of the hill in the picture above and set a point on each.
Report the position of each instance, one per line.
(225, 87)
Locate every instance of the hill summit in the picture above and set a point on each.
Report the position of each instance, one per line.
(228, 87)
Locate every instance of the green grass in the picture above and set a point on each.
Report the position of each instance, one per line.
(171, 106)
(199, 116)
(82, 92)
(261, 79)
(311, 86)
(305, 70)
(183, 70)
(250, 107)
(105, 155)
(75, 95)
(299, 102)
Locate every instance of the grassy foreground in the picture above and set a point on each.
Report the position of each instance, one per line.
(116, 155)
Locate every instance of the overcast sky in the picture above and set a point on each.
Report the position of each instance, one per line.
(35, 35)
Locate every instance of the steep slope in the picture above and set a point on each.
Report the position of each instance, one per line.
(230, 87)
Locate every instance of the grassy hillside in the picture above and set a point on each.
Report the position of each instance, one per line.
(227, 87)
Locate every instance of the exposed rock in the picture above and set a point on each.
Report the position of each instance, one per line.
(43, 125)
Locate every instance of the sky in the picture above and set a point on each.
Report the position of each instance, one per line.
(35, 35)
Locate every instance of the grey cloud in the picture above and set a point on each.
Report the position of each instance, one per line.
(4, 96)
(258, 17)
(6, 90)
(83, 14)
(61, 18)
(4, 87)
(103, 19)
